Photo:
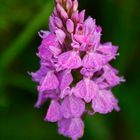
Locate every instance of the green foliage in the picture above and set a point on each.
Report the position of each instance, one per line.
(19, 23)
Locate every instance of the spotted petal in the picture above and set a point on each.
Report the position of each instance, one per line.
(49, 82)
(72, 128)
(72, 107)
(69, 60)
(86, 89)
(104, 102)
(53, 113)
(65, 78)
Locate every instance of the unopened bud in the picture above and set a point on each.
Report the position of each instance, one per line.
(75, 5)
(68, 5)
(70, 26)
(52, 24)
(61, 10)
(75, 16)
(82, 16)
(58, 22)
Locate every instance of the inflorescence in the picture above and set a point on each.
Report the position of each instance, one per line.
(74, 69)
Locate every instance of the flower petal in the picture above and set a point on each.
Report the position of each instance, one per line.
(53, 113)
(60, 35)
(104, 102)
(49, 46)
(72, 128)
(87, 72)
(90, 25)
(43, 96)
(58, 22)
(108, 49)
(86, 89)
(94, 60)
(65, 78)
(70, 26)
(69, 60)
(49, 82)
(109, 77)
(72, 107)
(38, 75)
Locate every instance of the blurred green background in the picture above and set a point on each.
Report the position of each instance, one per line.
(20, 20)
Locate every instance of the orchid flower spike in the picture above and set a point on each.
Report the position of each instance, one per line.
(74, 69)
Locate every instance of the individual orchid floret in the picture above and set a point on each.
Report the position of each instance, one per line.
(109, 77)
(75, 74)
(86, 89)
(47, 84)
(104, 102)
(49, 46)
(54, 113)
(108, 49)
(98, 57)
(72, 107)
(72, 128)
(94, 60)
(65, 79)
(70, 60)
(88, 34)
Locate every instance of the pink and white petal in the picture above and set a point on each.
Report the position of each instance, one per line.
(49, 40)
(60, 35)
(44, 53)
(104, 102)
(70, 26)
(88, 61)
(82, 16)
(72, 128)
(65, 78)
(65, 92)
(52, 26)
(49, 82)
(69, 60)
(72, 107)
(108, 48)
(95, 60)
(80, 38)
(58, 22)
(86, 89)
(87, 72)
(100, 60)
(53, 113)
(38, 75)
(44, 96)
(43, 34)
(90, 25)
(55, 50)
(111, 77)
